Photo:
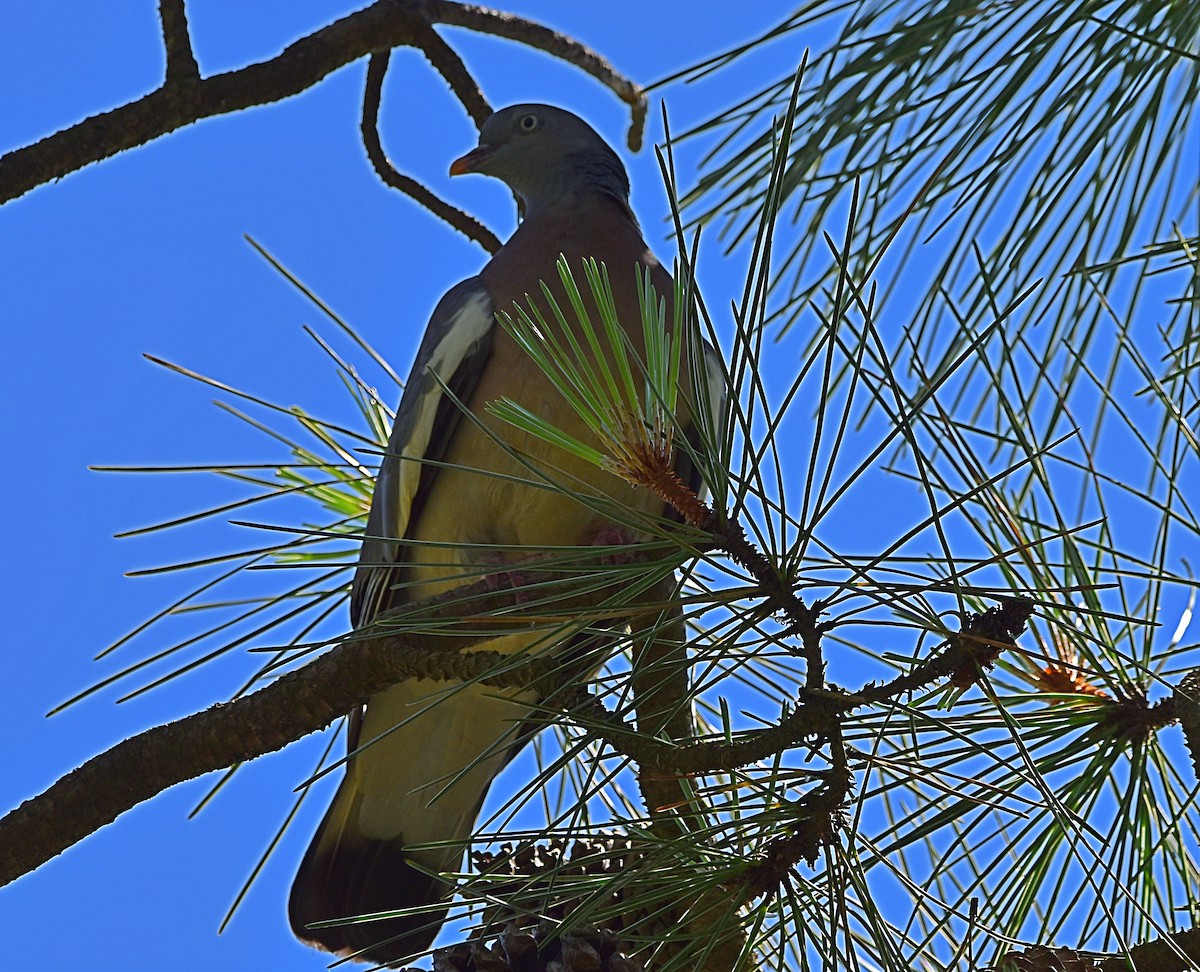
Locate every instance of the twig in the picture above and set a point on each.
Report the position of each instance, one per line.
(449, 65)
(983, 637)
(468, 225)
(728, 535)
(181, 60)
(699, 757)
(817, 816)
(500, 24)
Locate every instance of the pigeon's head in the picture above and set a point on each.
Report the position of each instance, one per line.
(547, 156)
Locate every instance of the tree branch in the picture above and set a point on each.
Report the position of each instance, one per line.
(185, 97)
(500, 24)
(298, 703)
(445, 60)
(697, 758)
(976, 646)
(309, 698)
(465, 224)
(302, 64)
(181, 60)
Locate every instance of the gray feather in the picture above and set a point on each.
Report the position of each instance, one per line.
(456, 347)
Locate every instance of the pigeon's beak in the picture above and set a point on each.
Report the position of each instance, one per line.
(472, 161)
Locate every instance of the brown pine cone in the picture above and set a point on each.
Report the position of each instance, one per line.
(563, 864)
(538, 950)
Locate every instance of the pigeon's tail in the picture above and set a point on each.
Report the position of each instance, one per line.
(404, 812)
(346, 874)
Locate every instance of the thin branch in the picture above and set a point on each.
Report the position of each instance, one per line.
(302, 64)
(975, 647)
(467, 225)
(173, 106)
(500, 24)
(449, 65)
(181, 60)
(697, 758)
(728, 535)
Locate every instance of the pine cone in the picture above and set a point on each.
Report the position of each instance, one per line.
(519, 950)
(560, 882)
(558, 896)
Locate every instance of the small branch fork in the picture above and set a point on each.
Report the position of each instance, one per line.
(186, 97)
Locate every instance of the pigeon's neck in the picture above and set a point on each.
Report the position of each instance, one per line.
(600, 227)
(588, 179)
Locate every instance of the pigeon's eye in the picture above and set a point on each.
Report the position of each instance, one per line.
(527, 123)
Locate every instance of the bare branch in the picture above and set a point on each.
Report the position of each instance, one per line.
(468, 225)
(181, 60)
(500, 24)
(449, 65)
(185, 97)
(381, 26)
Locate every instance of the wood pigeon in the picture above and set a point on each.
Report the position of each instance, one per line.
(574, 194)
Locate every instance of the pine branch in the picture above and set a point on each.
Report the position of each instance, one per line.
(300, 702)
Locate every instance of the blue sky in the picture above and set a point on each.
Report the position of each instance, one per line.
(143, 253)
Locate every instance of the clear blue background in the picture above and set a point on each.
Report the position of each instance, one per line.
(144, 253)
